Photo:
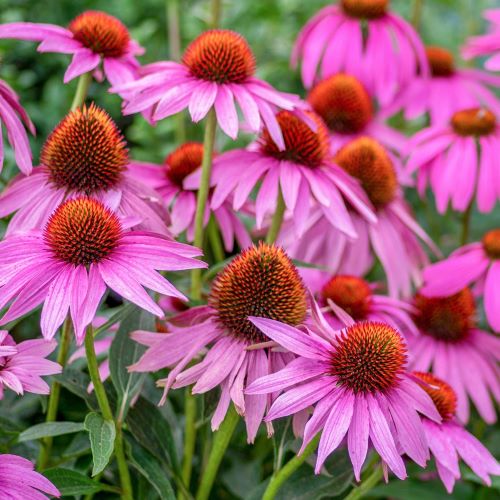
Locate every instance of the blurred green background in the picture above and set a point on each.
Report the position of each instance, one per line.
(271, 27)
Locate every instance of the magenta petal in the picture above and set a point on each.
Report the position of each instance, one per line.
(83, 61)
(357, 439)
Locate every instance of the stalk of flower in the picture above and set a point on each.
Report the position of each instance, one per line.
(359, 299)
(377, 41)
(18, 480)
(475, 264)
(85, 155)
(393, 238)
(168, 181)
(92, 38)
(349, 111)
(303, 172)
(449, 440)
(455, 349)
(356, 379)
(260, 280)
(447, 90)
(457, 161)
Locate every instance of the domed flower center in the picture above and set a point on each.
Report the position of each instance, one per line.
(101, 33)
(302, 145)
(86, 152)
(440, 61)
(343, 103)
(365, 9)
(366, 160)
(184, 161)
(261, 281)
(351, 293)
(221, 56)
(369, 357)
(446, 318)
(82, 231)
(491, 243)
(442, 395)
(473, 122)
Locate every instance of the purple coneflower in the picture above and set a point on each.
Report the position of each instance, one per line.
(453, 348)
(349, 112)
(92, 37)
(302, 171)
(365, 39)
(458, 160)
(83, 248)
(261, 280)
(19, 480)
(477, 263)
(449, 441)
(357, 381)
(85, 155)
(217, 69)
(168, 180)
(448, 89)
(23, 365)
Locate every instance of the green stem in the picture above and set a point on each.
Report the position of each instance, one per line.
(221, 441)
(466, 225)
(216, 13)
(189, 439)
(366, 485)
(215, 242)
(55, 393)
(288, 469)
(416, 16)
(102, 400)
(81, 90)
(277, 220)
(201, 202)
(174, 46)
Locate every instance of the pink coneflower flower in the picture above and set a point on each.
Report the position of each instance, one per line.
(23, 365)
(449, 441)
(217, 68)
(486, 45)
(12, 116)
(303, 171)
(83, 248)
(357, 380)
(19, 481)
(393, 238)
(477, 263)
(85, 155)
(168, 180)
(447, 90)
(359, 299)
(458, 160)
(455, 350)
(261, 280)
(92, 37)
(345, 106)
(365, 39)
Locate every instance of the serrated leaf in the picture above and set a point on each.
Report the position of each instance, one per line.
(70, 482)
(153, 432)
(102, 440)
(151, 469)
(125, 352)
(50, 429)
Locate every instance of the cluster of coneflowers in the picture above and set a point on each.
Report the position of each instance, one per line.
(386, 369)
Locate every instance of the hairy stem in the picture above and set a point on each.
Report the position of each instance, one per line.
(277, 220)
(215, 242)
(81, 90)
(466, 225)
(189, 439)
(102, 399)
(366, 484)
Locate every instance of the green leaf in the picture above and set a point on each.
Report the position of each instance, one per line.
(50, 429)
(102, 440)
(77, 383)
(153, 432)
(282, 437)
(417, 490)
(150, 468)
(125, 352)
(70, 482)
